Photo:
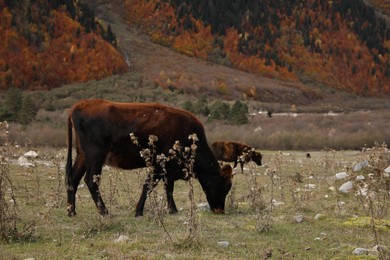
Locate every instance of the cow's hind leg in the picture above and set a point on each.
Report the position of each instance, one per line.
(92, 179)
(169, 185)
(72, 182)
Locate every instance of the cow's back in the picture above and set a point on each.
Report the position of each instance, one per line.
(228, 151)
(107, 125)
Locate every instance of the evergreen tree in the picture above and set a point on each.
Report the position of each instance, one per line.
(219, 110)
(200, 107)
(188, 106)
(111, 38)
(27, 111)
(238, 113)
(12, 104)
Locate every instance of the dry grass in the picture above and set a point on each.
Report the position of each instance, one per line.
(259, 219)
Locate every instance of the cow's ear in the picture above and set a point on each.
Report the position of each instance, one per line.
(227, 171)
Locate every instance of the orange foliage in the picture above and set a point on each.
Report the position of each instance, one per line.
(325, 50)
(64, 56)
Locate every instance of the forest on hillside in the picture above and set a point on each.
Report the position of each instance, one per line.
(341, 44)
(45, 44)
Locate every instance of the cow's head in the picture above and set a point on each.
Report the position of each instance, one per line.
(256, 157)
(219, 187)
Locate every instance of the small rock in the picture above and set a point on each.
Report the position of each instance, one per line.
(360, 178)
(346, 187)
(362, 192)
(223, 243)
(378, 248)
(341, 175)
(121, 238)
(357, 167)
(320, 216)
(277, 203)
(31, 154)
(387, 169)
(298, 218)
(310, 186)
(360, 251)
(204, 206)
(332, 188)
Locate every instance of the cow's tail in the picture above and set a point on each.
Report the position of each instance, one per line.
(68, 177)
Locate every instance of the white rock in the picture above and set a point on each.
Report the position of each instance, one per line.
(360, 251)
(360, 178)
(223, 243)
(298, 218)
(22, 159)
(362, 192)
(121, 238)
(31, 154)
(387, 169)
(346, 187)
(378, 248)
(357, 167)
(332, 188)
(319, 216)
(341, 175)
(204, 206)
(277, 203)
(310, 186)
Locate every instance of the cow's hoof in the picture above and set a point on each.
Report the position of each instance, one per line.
(71, 211)
(173, 211)
(139, 214)
(103, 212)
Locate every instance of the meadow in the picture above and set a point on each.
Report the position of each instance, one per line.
(288, 208)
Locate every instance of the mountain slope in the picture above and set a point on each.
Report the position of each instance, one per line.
(340, 44)
(172, 70)
(45, 44)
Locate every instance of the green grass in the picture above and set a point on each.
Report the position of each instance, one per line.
(41, 199)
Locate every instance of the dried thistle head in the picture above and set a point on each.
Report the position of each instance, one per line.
(152, 139)
(133, 138)
(176, 146)
(193, 137)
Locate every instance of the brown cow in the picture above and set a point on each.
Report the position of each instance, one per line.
(235, 152)
(102, 131)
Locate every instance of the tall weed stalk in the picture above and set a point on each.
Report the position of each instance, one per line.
(182, 156)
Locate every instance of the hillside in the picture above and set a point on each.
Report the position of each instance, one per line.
(339, 44)
(45, 44)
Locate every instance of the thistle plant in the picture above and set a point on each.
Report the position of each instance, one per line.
(184, 156)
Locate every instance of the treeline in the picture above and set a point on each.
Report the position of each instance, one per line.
(18, 107)
(46, 44)
(342, 44)
(236, 114)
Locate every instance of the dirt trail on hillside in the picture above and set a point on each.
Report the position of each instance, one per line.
(155, 61)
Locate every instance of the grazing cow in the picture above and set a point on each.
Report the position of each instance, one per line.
(235, 152)
(102, 136)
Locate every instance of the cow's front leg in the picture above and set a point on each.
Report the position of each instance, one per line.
(169, 185)
(148, 186)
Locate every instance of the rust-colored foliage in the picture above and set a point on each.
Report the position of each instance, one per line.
(55, 51)
(320, 41)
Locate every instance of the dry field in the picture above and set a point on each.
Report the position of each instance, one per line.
(289, 208)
